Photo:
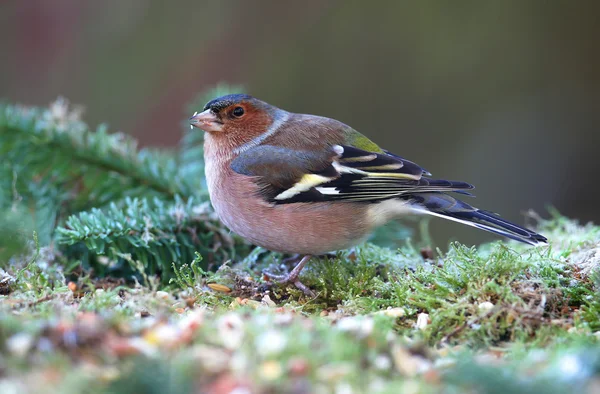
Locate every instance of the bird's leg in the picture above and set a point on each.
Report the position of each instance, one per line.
(292, 259)
(292, 277)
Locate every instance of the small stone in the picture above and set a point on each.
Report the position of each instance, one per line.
(231, 330)
(271, 342)
(360, 325)
(19, 344)
(213, 359)
(485, 307)
(422, 321)
(103, 260)
(163, 295)
(382, 363)
(163, 335)
(268, 301)
(192, 321)
(283, 318)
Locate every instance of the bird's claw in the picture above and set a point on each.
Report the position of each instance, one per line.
(289, 279)
(293, 277)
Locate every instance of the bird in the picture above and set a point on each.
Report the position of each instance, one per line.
(309, 185)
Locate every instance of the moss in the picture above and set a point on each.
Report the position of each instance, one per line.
(463, 316)
(484, 296)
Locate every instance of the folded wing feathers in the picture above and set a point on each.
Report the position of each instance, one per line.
(357, 175)
(306, 183)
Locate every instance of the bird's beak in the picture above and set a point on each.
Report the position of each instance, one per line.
(206, 121)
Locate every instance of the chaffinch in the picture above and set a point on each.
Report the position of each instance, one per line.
(309, 185)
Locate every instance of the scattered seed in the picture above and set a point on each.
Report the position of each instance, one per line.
(271, 370)
(219, 287)
(72, 286)
(393, 312)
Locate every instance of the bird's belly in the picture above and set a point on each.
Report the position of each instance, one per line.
(305, 228)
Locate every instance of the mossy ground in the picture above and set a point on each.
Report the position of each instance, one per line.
(498, 318)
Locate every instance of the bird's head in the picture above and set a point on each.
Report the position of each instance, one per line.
(236, 117)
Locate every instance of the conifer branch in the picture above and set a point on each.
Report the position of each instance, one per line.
(152, 231)
(54, 144)
(122, 203)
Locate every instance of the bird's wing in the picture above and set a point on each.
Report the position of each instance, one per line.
(336, 173)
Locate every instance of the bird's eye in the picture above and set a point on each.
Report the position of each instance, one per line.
(238, 111)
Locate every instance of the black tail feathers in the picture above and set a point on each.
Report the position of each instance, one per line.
(447, 207)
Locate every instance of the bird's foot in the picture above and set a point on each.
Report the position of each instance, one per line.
(292, 260)
(293, 277)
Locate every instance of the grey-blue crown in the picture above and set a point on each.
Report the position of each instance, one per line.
(219, 103)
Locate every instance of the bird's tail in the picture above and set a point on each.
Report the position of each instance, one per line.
(448, 207)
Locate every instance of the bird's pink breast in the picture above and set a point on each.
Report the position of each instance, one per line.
(305, 228)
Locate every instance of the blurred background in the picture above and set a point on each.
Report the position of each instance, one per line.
(504, 95)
